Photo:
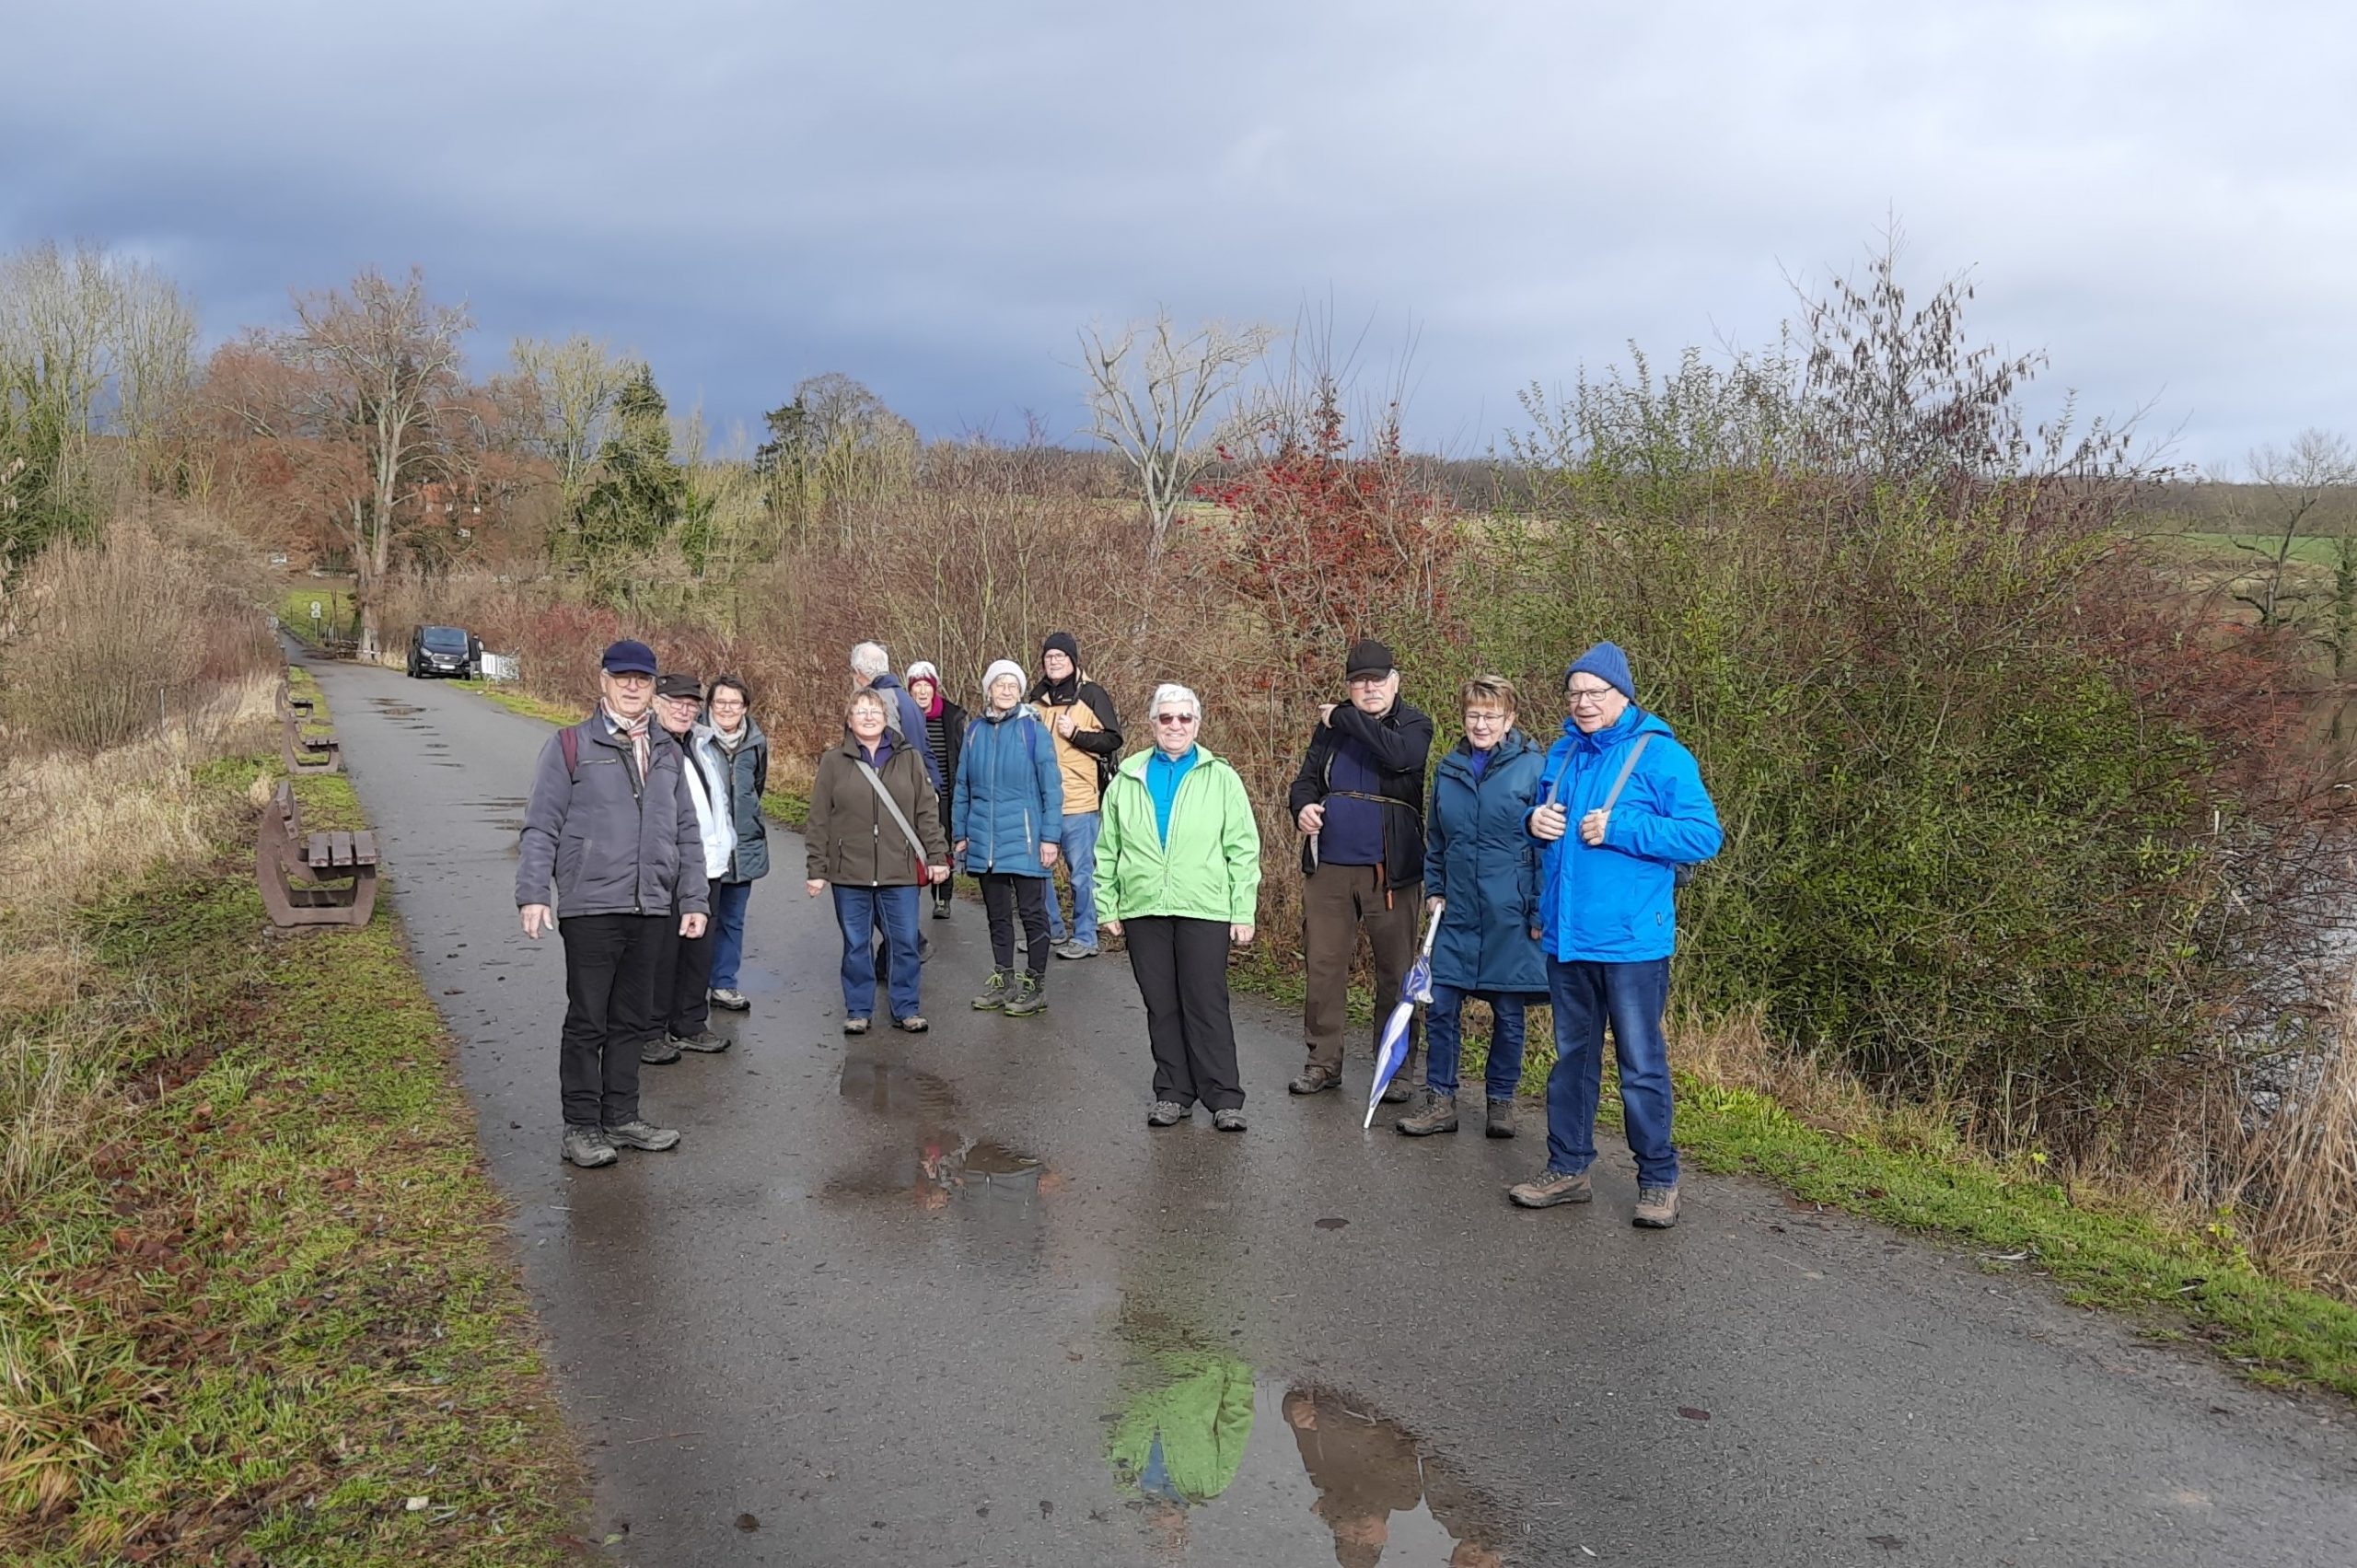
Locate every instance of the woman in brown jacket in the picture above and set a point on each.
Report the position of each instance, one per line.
(875, 835)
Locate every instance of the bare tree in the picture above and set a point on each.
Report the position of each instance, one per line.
(385, 369)
(2293, 483)
(569, 389)
(1156, 393)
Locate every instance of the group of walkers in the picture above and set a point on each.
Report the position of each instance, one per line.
(1550, 875)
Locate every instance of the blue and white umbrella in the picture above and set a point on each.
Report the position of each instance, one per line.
(1392, 1050)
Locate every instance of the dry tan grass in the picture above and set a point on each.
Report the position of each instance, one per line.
(75, 825)
(2299, 1177)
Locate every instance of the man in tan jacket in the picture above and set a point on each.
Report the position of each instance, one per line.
(1087, 735)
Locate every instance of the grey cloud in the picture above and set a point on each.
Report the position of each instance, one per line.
(933, 197)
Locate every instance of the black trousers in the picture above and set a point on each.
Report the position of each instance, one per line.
(682, 983)
(1181, 969)
(1004, 897)
(946, 890)
(609, 996)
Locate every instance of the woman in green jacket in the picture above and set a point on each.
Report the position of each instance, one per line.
(1178, 879)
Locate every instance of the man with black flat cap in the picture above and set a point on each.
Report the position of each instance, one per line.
(1358, 801)
(682, 1016)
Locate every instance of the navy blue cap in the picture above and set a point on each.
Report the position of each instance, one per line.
(628, 657)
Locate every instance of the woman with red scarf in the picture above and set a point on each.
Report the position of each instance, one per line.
(944, 734)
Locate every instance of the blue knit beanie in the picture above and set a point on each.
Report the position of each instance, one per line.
(1608, 664)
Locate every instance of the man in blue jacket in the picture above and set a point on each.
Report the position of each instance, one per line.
(1622, 807)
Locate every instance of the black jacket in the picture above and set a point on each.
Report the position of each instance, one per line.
(1402, 743)
(954, 720)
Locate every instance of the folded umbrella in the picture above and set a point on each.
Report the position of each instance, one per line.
(1392, 1050)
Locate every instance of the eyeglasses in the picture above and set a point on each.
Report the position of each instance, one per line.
(1579, 695)
(1475, 716)
(1174, 718)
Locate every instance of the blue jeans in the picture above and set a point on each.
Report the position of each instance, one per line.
(728, 902)
(1443, 1042)
(1079, 852)
(1632, 997)
(859, 910)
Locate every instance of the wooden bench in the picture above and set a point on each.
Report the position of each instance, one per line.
(292, 707)
(310, 753)
(296, 869)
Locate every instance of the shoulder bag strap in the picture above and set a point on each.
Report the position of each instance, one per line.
(900, 817)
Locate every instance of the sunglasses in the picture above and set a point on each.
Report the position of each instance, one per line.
(1174, 718)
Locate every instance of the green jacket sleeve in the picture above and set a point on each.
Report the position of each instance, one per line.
(1111, 835)
(1241, 842)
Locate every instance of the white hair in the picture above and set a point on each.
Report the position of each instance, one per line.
(869, 661)
(1171, 692)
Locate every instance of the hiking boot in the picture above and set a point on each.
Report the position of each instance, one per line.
(1549, 1188)
(1028, 998)
(702, 1039)
(912, 1025)
(995, 991)
(1073, 948)
(1500, 1119)
(587, 1147)
(731, 999)
(1314, 1078)
(925, 949)
(1436, 1114)
(1166, 1113)
(659, 1051)
(1656, 1208)
(644, 1134)
(854, 1026)
(1397, 1091)
(1229, 1120)
(941, 911)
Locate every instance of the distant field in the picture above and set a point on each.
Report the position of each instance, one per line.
(2230, 548)
(335, 609)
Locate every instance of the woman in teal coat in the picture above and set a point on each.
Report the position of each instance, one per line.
(1482, 875)
(1006, 816)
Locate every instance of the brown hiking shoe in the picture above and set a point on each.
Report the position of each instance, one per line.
(1549, 1188)
(1436, 1114)
(1500, 1119)
(1313, 1078)
(1656, 1208)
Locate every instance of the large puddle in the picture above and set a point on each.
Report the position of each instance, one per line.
(1220, 1466)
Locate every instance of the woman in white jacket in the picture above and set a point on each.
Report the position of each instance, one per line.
(682, 1016)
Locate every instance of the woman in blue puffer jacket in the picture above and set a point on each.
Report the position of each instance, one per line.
(1007, 818)
(1482, 874)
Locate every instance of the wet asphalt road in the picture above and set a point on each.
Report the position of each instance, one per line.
(946, 1300)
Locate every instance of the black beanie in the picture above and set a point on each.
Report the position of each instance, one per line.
(1064, 644)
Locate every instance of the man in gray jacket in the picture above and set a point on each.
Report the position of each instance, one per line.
(612, 821)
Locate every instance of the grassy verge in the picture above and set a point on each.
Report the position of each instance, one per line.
(267, 1313)
(2180, 1282)
(519, 702)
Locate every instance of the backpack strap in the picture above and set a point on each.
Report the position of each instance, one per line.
(1636, 750)
(568, 740)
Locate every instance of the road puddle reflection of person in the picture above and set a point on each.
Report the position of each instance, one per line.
(1366, 1468)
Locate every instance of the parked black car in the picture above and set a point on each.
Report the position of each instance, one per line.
(444, 650)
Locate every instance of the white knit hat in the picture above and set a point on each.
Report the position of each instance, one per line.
(999, 668)
(921, 671)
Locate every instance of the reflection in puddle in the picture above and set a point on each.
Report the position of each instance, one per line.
(395, 706)
(933, 1164)
(1327, 1471)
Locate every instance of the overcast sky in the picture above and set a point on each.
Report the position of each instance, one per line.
(932, 197)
